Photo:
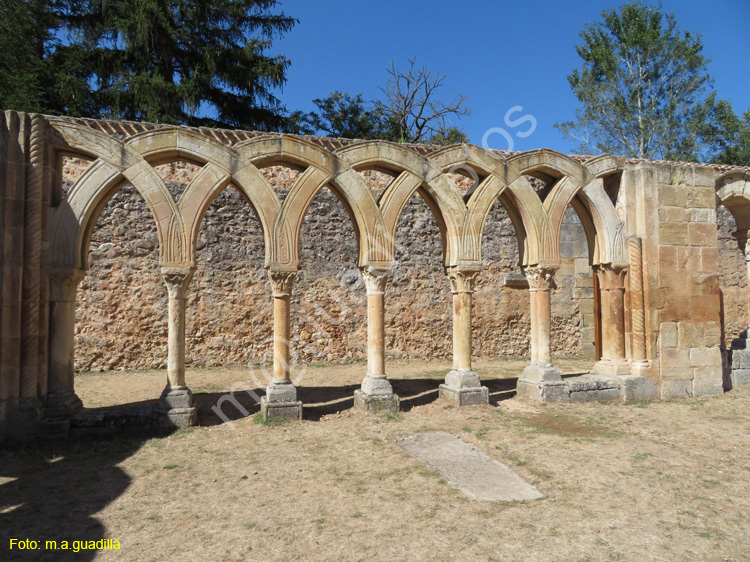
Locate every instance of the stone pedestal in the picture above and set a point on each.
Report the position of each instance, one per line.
(462, 386)
(177, 406)
(376, 403)
(280, 401)
(376, 394)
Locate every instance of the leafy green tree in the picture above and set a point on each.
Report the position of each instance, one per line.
(410, 111)
(639, 88)
(449, 136)
(728, 133)
(344, 116)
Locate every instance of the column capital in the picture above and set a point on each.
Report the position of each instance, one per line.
(282, 282)
(612, 276)
(462, 279)
(64, 283)
(540, 277)
(177, 280)
(375, 279)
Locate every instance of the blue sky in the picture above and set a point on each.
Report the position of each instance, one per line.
(501, 54)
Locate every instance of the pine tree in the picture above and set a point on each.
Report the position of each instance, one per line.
(183, 62)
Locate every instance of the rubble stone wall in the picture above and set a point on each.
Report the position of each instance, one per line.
(122, 302)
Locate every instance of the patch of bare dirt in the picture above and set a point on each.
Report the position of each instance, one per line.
(652, 481)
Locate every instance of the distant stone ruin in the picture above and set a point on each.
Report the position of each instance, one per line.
(654, 314)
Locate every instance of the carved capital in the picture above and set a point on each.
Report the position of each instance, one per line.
(177, 281)
(282, 282)
(375, 280)
(540, 277)
(612, 276)
(462, 280)
(64, 283)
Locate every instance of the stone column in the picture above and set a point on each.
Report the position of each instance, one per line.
(740, 347)
(462, 386)
(62, 401)
(376, 394)
(280, 401)
(177, 400)
(637, 306)
(612, 290)
(541, 380)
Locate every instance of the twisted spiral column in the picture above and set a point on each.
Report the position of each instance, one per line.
(637, 308)
(32, 244)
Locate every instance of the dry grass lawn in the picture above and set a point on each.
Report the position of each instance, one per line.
(652, 481)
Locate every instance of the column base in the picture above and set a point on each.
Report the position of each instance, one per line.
(277, 411)
(465, 396)
(63, 405)
(180, 417)
(177, 406)
(539, 371)
(543, 391)
(376, 403)
(462, 388)
(280, 402)
(26, 421)
(611, 368)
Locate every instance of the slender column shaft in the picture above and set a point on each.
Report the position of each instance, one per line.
(32, 243)
(612, 282)
(534, 324)
(544, 319)
(540, 286)
(375, 334)
(617, 316)
(637, 309)
(462, 287)
(177, 281)
(462, 331)
(282, 282)
(605, 310)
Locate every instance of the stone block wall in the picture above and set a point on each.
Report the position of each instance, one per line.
(676, 219)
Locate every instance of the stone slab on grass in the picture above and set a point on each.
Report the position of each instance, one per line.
(466, 468)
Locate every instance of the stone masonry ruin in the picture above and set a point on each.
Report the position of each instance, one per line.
(460, 251)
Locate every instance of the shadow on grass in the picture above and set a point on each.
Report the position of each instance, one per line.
(55, 491)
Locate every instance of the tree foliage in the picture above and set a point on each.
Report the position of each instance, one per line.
(409, 112)
(340, 115)
(641, 83)
(172, 61)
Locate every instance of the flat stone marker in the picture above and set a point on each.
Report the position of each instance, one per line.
(466, 468)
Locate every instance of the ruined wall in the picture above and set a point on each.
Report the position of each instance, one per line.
(121, 313)
(733, 279)
(676, 217)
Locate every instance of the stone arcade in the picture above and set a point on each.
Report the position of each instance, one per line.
(650, 226)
